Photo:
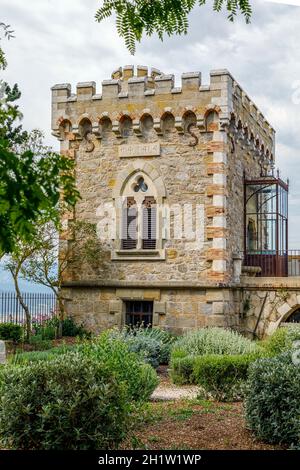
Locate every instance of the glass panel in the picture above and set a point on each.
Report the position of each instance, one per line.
(266, 226)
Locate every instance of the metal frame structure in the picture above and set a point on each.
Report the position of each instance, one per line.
(266, 225)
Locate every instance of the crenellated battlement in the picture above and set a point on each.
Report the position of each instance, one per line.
(134, 93)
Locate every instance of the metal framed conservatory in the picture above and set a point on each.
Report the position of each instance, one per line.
(266, 225)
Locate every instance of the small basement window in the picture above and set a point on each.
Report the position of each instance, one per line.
(139, 313)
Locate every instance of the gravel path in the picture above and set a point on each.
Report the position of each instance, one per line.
(166, 392)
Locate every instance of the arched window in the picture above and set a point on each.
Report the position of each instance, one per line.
(294, 317)
(139, 214)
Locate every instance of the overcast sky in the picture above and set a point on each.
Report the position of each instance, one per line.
(58, 41)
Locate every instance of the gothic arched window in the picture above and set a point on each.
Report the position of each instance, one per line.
(139, 215)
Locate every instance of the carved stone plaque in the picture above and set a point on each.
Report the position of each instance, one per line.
(140, 150)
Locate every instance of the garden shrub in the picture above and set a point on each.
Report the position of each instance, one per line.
(141, 379)
(46, 355)
(46, 330)
(71, 328)
(39, 343)
(152, 344)
(215, 358)
(181, 369)
(146, 347)
(49, 329)
(282, 339)
(165, 340)
(223, 376)
(272, 401)
(213, 341)
(11, 332)
(109, 349)
(70, 402)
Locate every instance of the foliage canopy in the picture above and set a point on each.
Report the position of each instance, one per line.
(135, 17)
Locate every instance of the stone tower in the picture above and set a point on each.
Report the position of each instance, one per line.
(170, 163)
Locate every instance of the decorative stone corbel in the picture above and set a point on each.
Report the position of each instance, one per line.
(96, 131)
(116, 129)
(179, 125)
(136, 127)
(157, 126)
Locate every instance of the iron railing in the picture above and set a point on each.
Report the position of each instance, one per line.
(274, 263)
(42, 306)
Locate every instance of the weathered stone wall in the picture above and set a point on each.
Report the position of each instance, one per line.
(202, 164)
(267, 302)
(177, 309)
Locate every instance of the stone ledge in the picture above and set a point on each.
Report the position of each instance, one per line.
(148, 284)
(270, 283)
(138, 255)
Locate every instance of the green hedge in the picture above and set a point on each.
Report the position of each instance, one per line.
(70, 402)
(221, 376)
(181, 369)
(10, 331)
(272, 401)
(217, 359)
(282, 339)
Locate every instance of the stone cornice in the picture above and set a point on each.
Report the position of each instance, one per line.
(147, 284)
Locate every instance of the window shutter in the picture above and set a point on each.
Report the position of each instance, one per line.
(149, 224)
(124, 224)
(129, 225)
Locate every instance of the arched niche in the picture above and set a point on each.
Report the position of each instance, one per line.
(146, 125)
(125, 126)
(105, 126)
(167, 123)
(85, 127)
(189, 120)
(65, 127)
(212, 121)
